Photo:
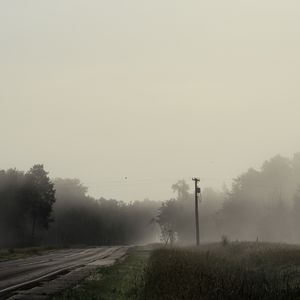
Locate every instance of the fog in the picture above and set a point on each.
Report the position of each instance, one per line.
(261, 205)
(109, 108)
(154, 91)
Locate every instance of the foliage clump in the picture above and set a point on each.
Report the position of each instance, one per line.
(26, 201)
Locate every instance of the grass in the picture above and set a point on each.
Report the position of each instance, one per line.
(235, 271)
(122, 281)
(230, 271)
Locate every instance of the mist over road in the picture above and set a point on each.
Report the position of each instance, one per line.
(20, 274)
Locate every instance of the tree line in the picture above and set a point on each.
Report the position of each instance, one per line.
(36, 210)
(260, 205)
(81, 219)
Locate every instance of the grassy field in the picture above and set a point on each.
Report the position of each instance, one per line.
(122, 281)
(235, 271)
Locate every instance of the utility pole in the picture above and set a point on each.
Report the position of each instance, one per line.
(197, 191)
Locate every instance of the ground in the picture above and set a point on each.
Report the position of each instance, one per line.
(216, 271)
(48, 273)
(123, 280)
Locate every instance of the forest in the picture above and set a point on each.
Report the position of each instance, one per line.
(260, 205)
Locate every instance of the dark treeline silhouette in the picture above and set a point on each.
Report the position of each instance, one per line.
(81, 219)
(26, 201)
(261, 205)
(35, 210)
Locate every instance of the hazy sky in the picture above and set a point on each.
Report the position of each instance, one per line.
(150, 90)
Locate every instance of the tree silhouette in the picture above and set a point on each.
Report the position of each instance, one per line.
(42, 197)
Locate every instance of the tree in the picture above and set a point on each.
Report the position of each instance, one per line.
(42, 196)
(13, 207)
(258, 199)
(182, 190)
(167, 220)
(175, 215)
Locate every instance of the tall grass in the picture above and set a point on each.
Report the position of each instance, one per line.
(234, 271)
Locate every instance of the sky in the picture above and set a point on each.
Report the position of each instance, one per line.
(132, 95)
